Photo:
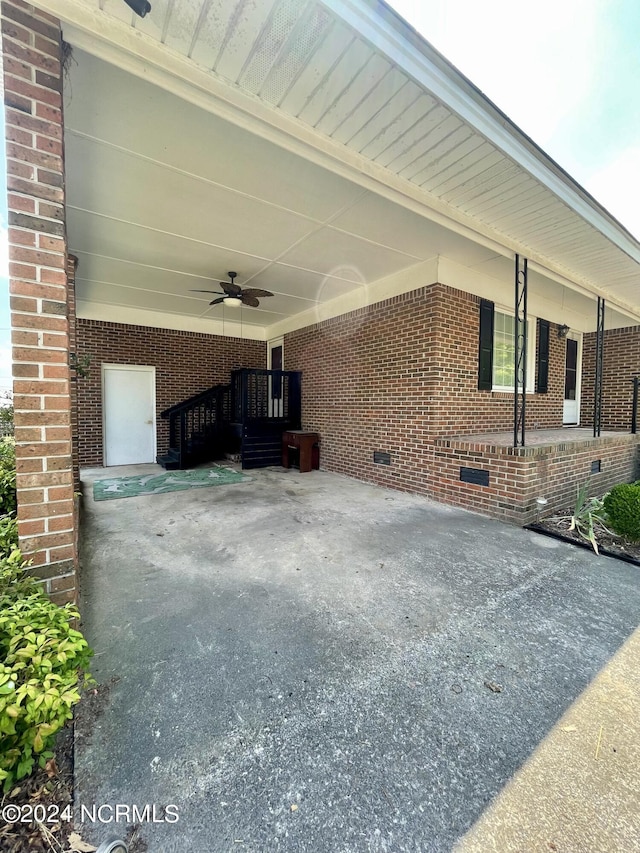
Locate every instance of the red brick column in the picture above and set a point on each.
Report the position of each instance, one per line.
(32, 61)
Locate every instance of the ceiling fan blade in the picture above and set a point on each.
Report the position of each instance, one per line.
(230, 288)
(255, 291)
(217, 301)
(217, 292)
(249, 300)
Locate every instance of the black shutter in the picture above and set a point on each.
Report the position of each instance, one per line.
(542, 380)
(485, 346)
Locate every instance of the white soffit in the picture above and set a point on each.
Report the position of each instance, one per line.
(348, 84)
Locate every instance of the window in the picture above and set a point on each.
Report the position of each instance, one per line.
(496, 350)
(504, 353)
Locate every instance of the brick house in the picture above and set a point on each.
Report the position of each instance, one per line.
(332, 157)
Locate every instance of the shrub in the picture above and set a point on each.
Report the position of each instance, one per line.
(8, 534)
(6, 413)
(41, 658)
(7, 475)
(622, 505)
(588, 517)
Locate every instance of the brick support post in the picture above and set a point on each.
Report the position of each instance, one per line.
(32, 63)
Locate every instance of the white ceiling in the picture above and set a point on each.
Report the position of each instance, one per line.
(165, 196)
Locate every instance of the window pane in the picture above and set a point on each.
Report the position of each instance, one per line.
(504, 349)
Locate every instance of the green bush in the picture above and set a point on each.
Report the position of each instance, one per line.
(8, 534)
(41, 659)
(6, 413)
(42, 656)
(622, 505)
(7, 475)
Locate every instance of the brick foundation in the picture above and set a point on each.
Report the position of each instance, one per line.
(185, 362)
(517, 476)
(32, 63)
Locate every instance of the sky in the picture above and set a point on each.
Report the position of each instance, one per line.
(567, 72)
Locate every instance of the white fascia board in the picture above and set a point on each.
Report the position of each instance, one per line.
(397, 40)
(501, 292)
(580, 316)
(421, 275)
(593, 293)
(161, 320)
(107, 38)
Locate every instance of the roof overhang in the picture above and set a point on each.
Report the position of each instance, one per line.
(358, 101)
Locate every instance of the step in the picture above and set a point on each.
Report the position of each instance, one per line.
(169, 462)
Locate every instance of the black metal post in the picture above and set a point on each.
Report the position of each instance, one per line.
(634, 405)
(520, 353)
(597, 385)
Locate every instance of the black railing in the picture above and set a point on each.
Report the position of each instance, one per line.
(634, 404)
(246, 417)
(266, 395)
(197, 428)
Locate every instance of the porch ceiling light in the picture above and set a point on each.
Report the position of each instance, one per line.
(232, 301)
(563, 330)
(140, 7)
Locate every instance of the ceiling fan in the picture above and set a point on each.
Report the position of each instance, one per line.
(234, 295)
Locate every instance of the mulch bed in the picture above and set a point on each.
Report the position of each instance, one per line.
(608, 545)
(51, 789)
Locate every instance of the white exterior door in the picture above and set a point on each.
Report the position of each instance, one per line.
(129, 406)
(572, 377)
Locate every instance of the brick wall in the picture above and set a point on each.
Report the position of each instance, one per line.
(32, 65)
(185, 362)
(459, 408)
(621, 359)
(367, 378)
(398, 374)
(517, 476)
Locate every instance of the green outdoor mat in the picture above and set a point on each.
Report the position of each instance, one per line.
(158, 484)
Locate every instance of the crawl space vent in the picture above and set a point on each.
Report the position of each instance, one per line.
(474, 475)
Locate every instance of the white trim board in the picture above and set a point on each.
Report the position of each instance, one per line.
(160, 320)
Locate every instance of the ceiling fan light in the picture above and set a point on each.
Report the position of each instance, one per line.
(232, 301)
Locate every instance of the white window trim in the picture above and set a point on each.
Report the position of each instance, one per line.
(531, 352)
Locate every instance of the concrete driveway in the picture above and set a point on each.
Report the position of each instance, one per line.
(303, 662)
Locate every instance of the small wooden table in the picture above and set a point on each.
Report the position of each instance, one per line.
(304, 442)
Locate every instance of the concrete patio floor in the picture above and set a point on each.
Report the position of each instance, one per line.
(303, 662)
